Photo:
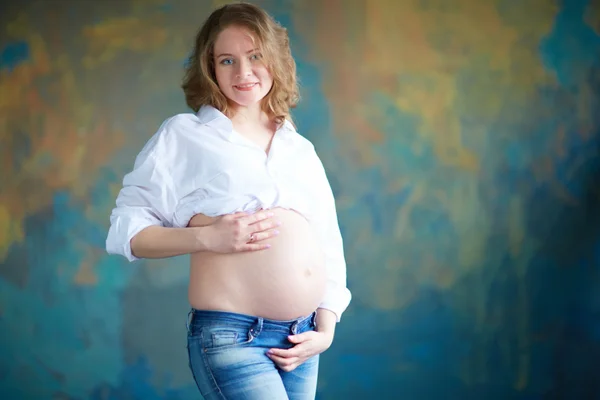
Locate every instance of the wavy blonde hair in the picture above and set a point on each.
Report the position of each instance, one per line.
(200, 84)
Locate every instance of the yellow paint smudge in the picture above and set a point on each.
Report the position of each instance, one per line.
(592, 15)
(445, 277)
(113, 36)
(396, 292)
(85, 275)
(421, 57)
(55, 122)
(402, 228)
(439, 63)
(522, 257)
(10, 230)
(472, 222)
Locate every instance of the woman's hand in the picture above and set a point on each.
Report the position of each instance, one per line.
(307, 345)
(242, 232)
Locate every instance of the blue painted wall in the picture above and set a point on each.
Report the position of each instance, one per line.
(462, 143)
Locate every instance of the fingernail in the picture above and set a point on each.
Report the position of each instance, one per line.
(268, 246)
(278, 223)
(276, 232)
(271, 214)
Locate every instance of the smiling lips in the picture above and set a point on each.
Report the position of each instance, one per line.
(245, 87)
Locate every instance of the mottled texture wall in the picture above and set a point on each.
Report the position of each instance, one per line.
(462, 143)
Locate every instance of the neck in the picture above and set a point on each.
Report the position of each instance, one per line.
(252, 115)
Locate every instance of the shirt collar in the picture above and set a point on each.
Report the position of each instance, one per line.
(209, 115)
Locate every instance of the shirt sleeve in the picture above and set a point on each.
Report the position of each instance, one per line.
(337, 296)
(147, 197)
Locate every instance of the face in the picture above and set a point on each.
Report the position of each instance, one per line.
(241, 75)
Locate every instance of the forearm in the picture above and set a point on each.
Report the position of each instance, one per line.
(326, 321)
(161, 242)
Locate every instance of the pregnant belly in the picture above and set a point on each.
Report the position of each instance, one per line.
(283, 282)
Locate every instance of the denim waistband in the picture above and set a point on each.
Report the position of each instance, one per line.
(210, 317)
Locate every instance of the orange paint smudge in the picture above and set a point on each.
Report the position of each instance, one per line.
(59, 146)
(416, 55)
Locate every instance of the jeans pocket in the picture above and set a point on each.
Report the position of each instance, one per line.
(215, 339)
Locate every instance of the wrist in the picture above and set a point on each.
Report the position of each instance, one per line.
(326, 339)
(201, 238)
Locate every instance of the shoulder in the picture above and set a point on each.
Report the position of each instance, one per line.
(173, 129)
(179, 124)
(170, 136)
(305, 148)
(300, 142)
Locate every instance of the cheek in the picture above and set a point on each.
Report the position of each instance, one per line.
(264, 74)
(222, 78)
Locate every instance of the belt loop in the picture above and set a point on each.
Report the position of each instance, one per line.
(188, 321)
(256, 329)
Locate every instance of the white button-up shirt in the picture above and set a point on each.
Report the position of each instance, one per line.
(197, 163)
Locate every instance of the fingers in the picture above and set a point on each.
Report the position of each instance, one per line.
(237, 215)
(260, 221)
(260, 226)
(250, 231)
(301, 337)
(286, 364)
(286, 353)
(255, 239)
(258, 217)
(255, 247)
(260, 236)
(266, 228)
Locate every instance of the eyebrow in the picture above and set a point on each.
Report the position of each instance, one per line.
(231, 55)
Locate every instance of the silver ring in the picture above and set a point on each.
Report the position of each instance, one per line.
(251, 237)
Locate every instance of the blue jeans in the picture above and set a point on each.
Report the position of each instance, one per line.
(227, 356)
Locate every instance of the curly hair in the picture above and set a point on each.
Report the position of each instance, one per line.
(200, 84)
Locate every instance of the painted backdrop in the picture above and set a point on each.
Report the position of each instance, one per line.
(461, 139)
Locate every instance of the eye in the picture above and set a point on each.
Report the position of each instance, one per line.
(227, 61)
(256, 56)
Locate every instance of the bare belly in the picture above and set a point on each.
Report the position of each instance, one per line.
(284, 282)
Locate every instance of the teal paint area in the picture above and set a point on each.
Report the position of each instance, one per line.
(572, 48)
(13, 54)
(520, 324)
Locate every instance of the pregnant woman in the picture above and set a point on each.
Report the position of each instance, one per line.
(236, 187)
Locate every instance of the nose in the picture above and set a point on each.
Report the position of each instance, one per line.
(244, 69)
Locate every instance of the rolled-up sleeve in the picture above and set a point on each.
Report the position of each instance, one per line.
(147, 197)
(337, 295)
